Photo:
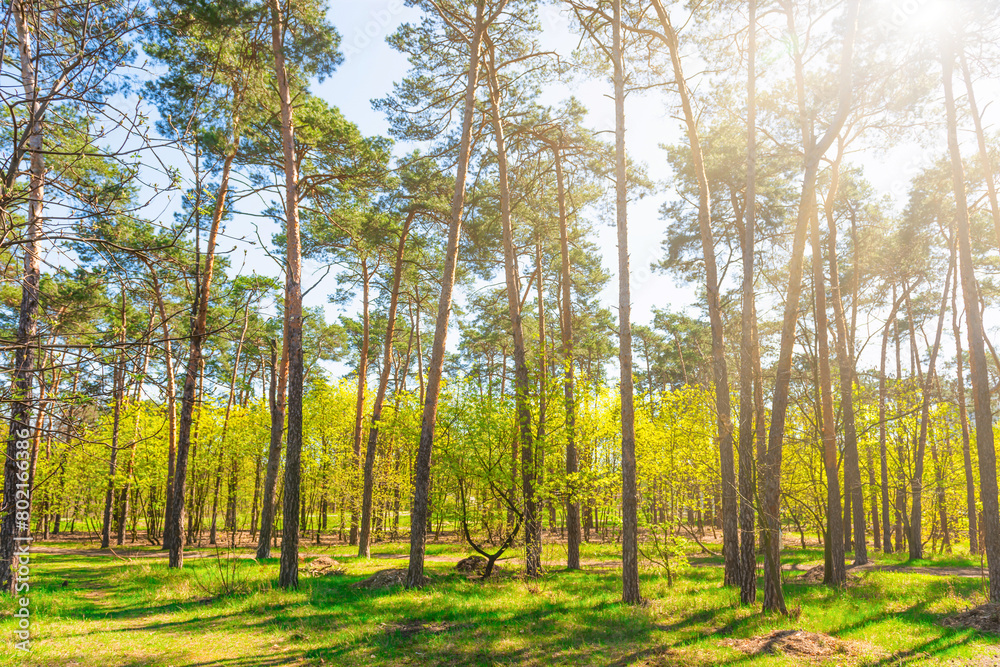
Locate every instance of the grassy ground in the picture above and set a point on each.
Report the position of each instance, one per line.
(97, 610)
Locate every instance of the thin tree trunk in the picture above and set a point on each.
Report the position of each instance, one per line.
(630, 527)
(198, 335)
(522, 382)
(359, 406)
(771, 474)
(364, 550)
(853, 491)
(720, 374)
(917, 484)
(747, 480)
(276, 401)
(963, 417)
(171, 391)
(119, 395)
(572, 461)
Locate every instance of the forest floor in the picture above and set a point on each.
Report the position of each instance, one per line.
(92, 607)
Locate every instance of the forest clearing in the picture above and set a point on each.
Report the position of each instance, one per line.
(500, 332)
(130, 608)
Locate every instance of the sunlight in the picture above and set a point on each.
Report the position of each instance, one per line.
(925, 16)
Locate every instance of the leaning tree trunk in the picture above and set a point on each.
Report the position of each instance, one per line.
(522, 382)
(198, 335)
(432, 386)
(917, 484)
(977, 351)
(276, 402)
(364, 549)
(774, 599)
(630, 499)
(720, 374)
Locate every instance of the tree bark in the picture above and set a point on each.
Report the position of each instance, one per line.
(15, 477)
(359, 405)
(364, 550)
(288, 575)
(747, 480)
(198, 335)
(977, 351)
(853, 491)
(771, 474)
(630, 520)
(720, 374)
(963, 417)
(522, 381)
(572, 460)
(432, 389)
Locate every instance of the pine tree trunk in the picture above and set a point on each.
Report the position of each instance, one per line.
(359, 406)
(963, 417)
(522, 381)
(572, 462)
(720, 374)
(364, 550)
(748, 413)
(853, 491)
(917, 484)
(432, 389)
(977, 352)
(630, 520)
(198, 335)
(288, 575)
(276, 401)
(15, 475)
(771, 473)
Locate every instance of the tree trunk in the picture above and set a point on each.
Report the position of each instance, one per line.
(364, 550)
(630, 521)
(171, 391)
(15, 478)
(276, 401)
(572, 462)
(119, 395)
(720, 374)
(963, 417)
(917, 484)
(853, 491)
(288, 576)
(522, 382)
(432, 390)
(359, 406)
(747, 481)
(771, 474)
(977, 351)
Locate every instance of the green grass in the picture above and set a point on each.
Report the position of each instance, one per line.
(138, 612)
